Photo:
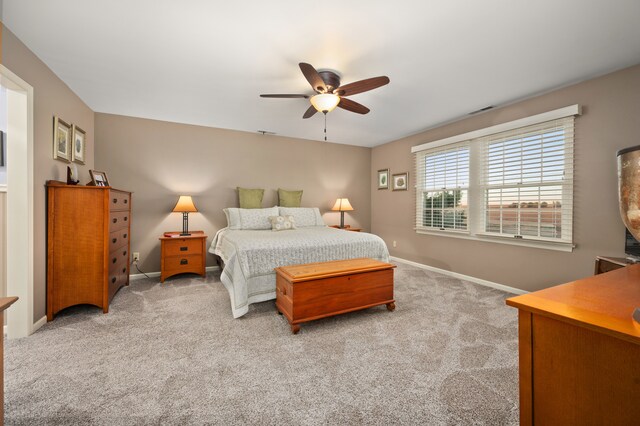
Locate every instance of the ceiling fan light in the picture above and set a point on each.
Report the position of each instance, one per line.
(325, 102)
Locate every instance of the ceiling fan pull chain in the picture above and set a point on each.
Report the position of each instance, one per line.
(325, 126)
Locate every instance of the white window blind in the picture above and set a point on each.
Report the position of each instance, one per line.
(512, 182)
(442, 188)
(527, 181)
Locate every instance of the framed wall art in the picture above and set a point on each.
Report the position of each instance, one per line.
(3, 137)
(98, 178)
(79, 138)
(401, 181)
(61, 140)
(383, 179)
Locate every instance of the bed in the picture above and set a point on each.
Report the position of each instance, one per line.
(250, 255)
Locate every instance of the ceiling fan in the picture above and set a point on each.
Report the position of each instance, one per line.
(329, 93)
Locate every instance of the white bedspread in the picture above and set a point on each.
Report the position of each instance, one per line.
(251, 256)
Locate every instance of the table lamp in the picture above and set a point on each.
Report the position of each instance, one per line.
(342, 205)
(185, 206)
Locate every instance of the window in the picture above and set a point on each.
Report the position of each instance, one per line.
(512, 181)
(443, 193)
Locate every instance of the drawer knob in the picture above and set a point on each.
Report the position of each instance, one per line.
(113, 280)
(115, 201)
(124, 236)
(114, 260)
(114, 240)
(124, 253)
(125, 218)
(184, 262)
(184, 248)
(126, 201)
(115, 219)
(124, 269)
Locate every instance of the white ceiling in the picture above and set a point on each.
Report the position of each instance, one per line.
(205, 62)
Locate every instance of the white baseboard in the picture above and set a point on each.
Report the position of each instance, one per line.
(462, 276)
(134, 277)
(36, 325)
(42, 321)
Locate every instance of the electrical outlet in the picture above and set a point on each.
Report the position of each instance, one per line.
(136, 256)
(395, 244)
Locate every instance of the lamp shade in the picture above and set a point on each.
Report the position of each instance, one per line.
(325, 102)
(342, 205)
(185, 205)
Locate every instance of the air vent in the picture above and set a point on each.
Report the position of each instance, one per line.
(487, 108)
(266, 132)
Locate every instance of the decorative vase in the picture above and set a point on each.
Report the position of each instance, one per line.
(629, 188)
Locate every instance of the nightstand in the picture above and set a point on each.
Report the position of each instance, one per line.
(182, 254)
(347, 228)
(606, 264)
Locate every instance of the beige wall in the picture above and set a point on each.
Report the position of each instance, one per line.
(159, 160)
(610, 121)
(51, 97)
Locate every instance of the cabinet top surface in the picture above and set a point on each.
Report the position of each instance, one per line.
(177, 236)
(602, 302)
(58, 184)
(331, 269)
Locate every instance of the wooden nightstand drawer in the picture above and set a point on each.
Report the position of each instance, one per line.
(182, 246)
(188, 263)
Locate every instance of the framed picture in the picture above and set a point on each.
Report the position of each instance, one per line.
(79, 137)
(61, 140)
(383, 179)
(401, 181)
(99, 178)
(3, 137)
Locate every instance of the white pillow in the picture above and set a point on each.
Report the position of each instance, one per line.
(304, 216)
(249, 218)
(282, 223)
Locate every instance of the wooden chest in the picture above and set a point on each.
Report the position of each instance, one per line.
(318, 290)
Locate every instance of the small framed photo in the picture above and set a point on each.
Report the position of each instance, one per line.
(383, 179)
(78, 137)
(61, 140)
(401, 181)
(99, 178)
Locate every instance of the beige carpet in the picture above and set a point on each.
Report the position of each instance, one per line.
(172, 354)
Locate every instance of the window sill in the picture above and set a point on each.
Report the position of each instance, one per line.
(500, 240)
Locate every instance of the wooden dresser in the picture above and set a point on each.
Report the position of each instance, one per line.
(579, 351)
(88, 231)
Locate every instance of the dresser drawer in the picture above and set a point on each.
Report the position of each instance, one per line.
(118, 239)
(118, 220)
(119, 200)
(188, 263)
(118, 256)
(117, 268)
(182, 246)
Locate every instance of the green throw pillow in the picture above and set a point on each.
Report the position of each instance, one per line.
(289, 198)
(250, 198)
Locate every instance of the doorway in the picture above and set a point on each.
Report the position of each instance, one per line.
(19, 199)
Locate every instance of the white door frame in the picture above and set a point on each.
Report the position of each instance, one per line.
(19, 203)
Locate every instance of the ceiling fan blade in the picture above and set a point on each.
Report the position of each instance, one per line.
(285, 96)
(309, 113)
(313, 77)
(361, 86)
(352, 106)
